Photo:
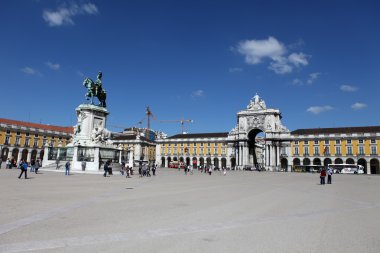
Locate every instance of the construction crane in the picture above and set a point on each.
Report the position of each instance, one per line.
(182, 121)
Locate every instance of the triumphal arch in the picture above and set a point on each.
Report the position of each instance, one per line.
(259, 138)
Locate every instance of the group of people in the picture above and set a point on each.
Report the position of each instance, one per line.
(9, 163)
(323, 174)
(204, 169)
(23, 166)
(126, 170)
(145, 168)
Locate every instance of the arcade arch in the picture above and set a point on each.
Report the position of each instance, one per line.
(363, 163)
(317, 161)
(374, 164)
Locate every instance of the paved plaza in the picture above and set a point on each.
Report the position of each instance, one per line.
(239, 212)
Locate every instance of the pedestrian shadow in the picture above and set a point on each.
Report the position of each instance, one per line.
(129, 188)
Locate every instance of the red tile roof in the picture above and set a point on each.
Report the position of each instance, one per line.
(69, 130)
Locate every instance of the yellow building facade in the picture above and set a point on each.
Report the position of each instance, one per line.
(194, 149)
(26, 140)
(347, 145)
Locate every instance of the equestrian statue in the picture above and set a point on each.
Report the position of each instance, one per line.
(95, 89)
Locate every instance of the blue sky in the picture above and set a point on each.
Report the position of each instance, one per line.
(317, 61)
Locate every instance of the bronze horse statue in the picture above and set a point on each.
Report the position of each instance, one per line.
(94, 89)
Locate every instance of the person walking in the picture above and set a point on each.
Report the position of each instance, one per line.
(32, 165)
(122, 168)
(37, 166)
(127, 170)
(106, 169)
(67, 168)
(323, 176)
(83, 164)
(329, 174)
(210, 170)
(57, 163)
(23, 166)
(154, 167)
(8, 164)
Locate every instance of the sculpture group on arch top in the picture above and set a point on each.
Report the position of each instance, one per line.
(258, 116)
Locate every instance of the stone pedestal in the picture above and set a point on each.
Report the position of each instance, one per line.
(91, 141)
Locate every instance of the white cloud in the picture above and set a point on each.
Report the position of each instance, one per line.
(319, 109)
(358, 106)
(63, 15)
(198, 93)
(280, 65)
(256, 51)
(297, 82)
(53, 66)
(90, 8)
(348, 88)
(313, 77)
(233, 70)
(298, 59)
(30, 71)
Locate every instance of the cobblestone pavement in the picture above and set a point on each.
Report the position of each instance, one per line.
(173, 212)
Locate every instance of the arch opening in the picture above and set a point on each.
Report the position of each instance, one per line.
(256, 143)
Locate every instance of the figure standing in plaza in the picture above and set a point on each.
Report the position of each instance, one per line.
(323, 176)
(329, 175)
(83, 164)
(37, 166)
(67, 168)
(57, 163)
(210, 169)
(32, 165)
(8, 164)
(154, 167)
(23, 166)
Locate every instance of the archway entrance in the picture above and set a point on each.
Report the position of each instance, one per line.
(34, 154)
(327, 161)
(374, 163)
(208, 161)
(169, 160)
(187, 161)
(195, 163)
(338, 161)
(233, 163)
(224, 163)
(202, 161)
(4, 154)
(24, 155)
(363, 163)
(284, 164)
(350, 161)
(162, 161)
(15, 154)
(306, 161)
(42, 154)
(216, 162)
(255, 143)
(317, 161)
